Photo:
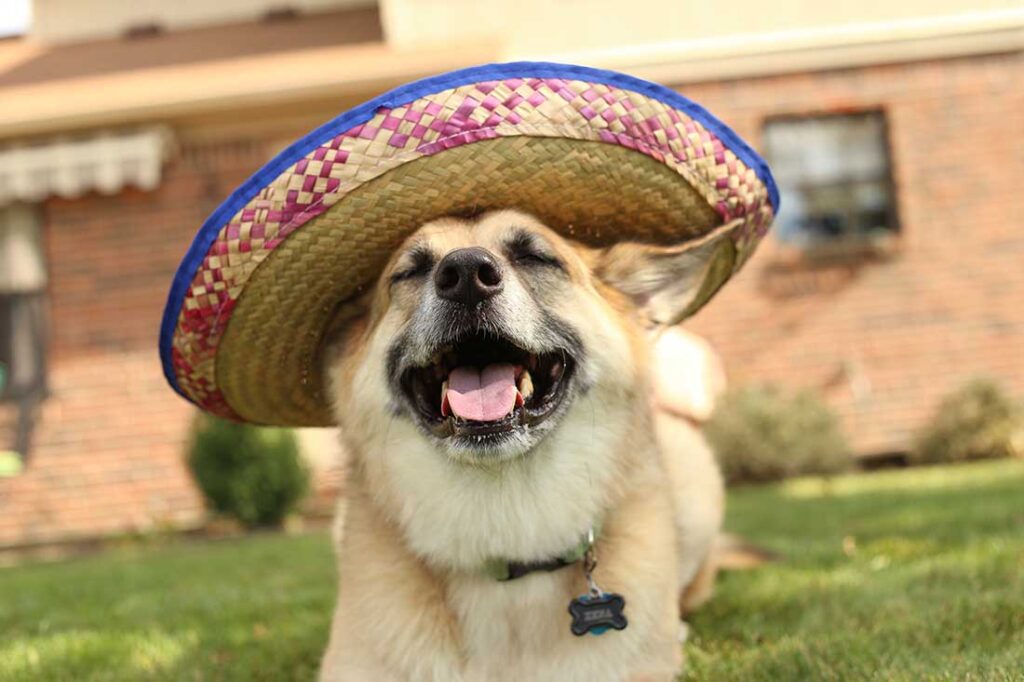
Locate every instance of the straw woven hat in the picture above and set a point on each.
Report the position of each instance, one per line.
(599, 155)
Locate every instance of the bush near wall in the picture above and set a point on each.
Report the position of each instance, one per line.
(760, 433)
(977, 421)
(253, 474)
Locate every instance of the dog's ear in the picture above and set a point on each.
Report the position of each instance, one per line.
(669, 283)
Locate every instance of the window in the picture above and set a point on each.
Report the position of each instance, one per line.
(834, 177)
(22, 320)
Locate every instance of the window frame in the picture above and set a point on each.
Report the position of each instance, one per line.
(27, 399)
(40, 337)
(849, 245)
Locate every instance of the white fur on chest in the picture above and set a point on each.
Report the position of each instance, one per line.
(519, 630)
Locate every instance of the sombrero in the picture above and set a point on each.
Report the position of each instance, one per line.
(598, 155)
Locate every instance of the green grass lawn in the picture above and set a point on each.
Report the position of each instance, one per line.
(931, 585)
(903, 575)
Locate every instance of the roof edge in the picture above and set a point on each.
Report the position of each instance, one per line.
(264, 80)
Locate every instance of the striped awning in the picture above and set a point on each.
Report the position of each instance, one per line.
(104, 162)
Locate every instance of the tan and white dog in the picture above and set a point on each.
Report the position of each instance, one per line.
(494, 397)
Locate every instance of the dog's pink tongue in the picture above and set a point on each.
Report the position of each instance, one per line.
(482, 396)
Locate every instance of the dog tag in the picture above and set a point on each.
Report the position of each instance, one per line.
(596, 611)
(596, 614)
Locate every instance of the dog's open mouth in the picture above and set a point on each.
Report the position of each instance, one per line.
(485, 385)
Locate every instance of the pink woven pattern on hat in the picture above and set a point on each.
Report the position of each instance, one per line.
(429, 125)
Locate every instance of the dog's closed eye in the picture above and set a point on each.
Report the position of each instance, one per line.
(418, 262)
(527, 250)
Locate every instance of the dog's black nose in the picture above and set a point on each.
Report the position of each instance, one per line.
(468, 276)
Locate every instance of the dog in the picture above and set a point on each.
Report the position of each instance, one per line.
(494, 395)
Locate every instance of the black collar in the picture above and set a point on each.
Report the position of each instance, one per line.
(504, 571)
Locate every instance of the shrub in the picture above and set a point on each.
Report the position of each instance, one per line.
(253, 474)
(761, 434)
(977, 421)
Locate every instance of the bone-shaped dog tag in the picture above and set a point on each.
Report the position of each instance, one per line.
(597, 613)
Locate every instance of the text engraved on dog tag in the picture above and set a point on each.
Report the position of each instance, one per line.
(596, 614)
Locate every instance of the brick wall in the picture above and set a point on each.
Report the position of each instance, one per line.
(884, 339)
(107, 449)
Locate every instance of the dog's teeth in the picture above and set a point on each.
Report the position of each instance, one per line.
(445, 407)
(556, 370)
(525, 385)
